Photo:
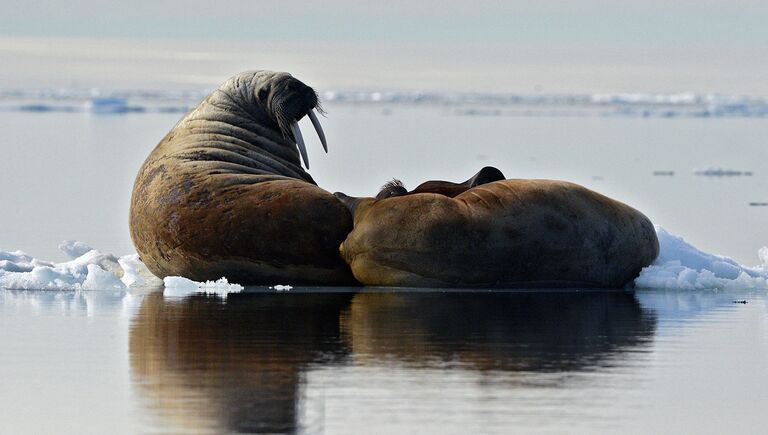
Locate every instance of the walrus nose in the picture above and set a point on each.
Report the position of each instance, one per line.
(300, 139)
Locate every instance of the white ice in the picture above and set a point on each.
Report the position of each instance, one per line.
(281, 287)
(177, 286)
(681, 266)
(88, 269)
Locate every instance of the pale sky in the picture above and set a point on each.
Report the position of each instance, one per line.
(506, 46)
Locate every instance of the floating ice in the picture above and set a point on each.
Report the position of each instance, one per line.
(177, 286)
(136, 274)
(89, 269)
(682, 266)
(720, 172)
(281, 287)
(678, 266)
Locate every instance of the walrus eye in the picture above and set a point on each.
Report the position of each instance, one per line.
(300, 139)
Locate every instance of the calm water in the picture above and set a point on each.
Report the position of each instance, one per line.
(383, 361)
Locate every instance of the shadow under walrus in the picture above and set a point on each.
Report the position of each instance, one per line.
(240, 366)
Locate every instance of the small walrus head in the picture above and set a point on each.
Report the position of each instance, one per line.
(286, 100)
(396, 188)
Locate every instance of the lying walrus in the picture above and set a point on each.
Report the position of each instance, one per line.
(493, 232)
(223, 194)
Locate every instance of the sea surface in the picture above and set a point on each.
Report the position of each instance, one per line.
(333, 360)
(381, 361)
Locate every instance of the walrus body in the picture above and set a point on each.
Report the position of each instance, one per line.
(504, 233)
(223, 194)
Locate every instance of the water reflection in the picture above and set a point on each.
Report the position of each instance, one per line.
(200, 364)
(506, 331)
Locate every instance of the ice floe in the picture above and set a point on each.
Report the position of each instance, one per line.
(88, 269)
(720, 172)
(679, 266)
(177, 286)
(281, 287)
(683, 267)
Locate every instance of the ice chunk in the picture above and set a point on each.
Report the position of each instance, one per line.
(136, 273)
(73, 248)
(281, 287)
(682, 266)
(99, 279)
(763, 255)
(177, 286)
(89, 269)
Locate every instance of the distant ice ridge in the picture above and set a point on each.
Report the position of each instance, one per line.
(89, 269)
(683, 267)
(99, 101)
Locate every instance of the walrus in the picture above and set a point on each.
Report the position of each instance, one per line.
(224, 193)
(495, 232)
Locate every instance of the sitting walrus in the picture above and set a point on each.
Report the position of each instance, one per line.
(224, 194)
(493, 232)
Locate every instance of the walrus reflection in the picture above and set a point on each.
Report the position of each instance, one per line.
(241, 366)
(505, 331)
(204, 365)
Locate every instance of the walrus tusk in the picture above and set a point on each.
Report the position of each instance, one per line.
(300, 143)
(318, 129)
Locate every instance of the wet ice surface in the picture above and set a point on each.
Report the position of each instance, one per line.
(678, 266)
(653, 361)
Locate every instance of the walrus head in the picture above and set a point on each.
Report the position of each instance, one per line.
(396, 188)
(286, 100)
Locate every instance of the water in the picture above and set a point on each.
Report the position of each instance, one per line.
(383, 361)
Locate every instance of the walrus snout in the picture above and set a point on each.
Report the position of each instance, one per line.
(289, 100)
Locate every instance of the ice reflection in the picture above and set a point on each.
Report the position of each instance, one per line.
(243, 366)
(87, 303)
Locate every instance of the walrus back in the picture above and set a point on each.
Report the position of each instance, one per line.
(510, 233)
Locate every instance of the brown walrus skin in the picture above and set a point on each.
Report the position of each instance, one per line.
(223, 194)
(497, 233)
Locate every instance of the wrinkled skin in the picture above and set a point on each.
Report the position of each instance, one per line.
(223, 194)
(493, 232)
